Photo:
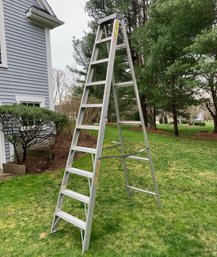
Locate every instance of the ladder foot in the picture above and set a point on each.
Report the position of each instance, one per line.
(85, 247)
(159, 203)
(52, 231)
(55, 223)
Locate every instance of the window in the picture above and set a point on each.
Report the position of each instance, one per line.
(30, 122)
(29, 100)
(30, 104)
(3, 53)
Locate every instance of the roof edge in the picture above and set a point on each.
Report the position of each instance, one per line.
(42, 18)
(44, 5)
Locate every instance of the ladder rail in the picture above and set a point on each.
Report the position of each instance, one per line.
(85, 95)
(76, 133)
(84, 99)
(120, 135)
(101, 133)
(140, 110)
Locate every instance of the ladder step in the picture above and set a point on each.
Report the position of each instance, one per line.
(96, 83)
(88, 127)
(91, 106)
(124, 84)
(103, 40)
(121, 46)
(84, 149)
(80, 172)
(76, 196)
(71, 219)
(100, 61)
(138, 158)
(128, 122)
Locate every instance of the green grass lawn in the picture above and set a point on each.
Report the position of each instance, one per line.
(186, 225)
(186, 130)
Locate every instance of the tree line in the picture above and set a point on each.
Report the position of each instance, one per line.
(174, 50)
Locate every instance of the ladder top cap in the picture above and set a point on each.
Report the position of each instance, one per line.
(113, 16)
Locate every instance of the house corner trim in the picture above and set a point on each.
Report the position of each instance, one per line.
(49, 69)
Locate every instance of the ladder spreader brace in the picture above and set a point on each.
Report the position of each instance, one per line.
(117, 21)
(129, 155)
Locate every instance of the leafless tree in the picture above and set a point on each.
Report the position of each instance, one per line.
(63, 84)
(60, 85)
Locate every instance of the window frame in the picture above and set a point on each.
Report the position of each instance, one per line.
(3, 49)
(28, 99)
(31, 99)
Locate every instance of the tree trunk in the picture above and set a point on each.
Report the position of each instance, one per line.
(24, 154)
(17, 158)
(215, 124)
(175, 121)
(214, 98)
(144, 109)
(152, 119)
(214, 116)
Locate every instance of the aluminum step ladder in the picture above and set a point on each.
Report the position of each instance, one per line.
(117, 22)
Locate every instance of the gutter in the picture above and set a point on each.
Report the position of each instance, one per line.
(43, 19)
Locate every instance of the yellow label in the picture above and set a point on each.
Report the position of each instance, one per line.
(97, 172)
(116, 29)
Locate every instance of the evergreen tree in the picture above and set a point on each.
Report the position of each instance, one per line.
(135, 12)
(204, 50)
(172, 26)
(159, 38)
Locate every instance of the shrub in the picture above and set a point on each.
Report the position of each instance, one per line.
(161, 120)
(200, 123)
(165, 119)
(185, 122)
(26, 126)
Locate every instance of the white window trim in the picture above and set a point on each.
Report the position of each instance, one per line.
(4, 63)
(30, 98)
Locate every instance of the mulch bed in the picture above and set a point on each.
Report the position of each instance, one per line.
(156, 131)
(62, 146)
(4, 176)
(200, 135)
(206, 135)
(59, 155)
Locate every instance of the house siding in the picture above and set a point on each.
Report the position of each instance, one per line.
(27, 72)
(7, 151)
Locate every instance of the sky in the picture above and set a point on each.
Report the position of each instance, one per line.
(72, 13)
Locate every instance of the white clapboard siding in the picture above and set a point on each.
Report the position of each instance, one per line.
(27, 72)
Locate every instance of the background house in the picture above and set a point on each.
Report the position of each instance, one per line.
(25, 57)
